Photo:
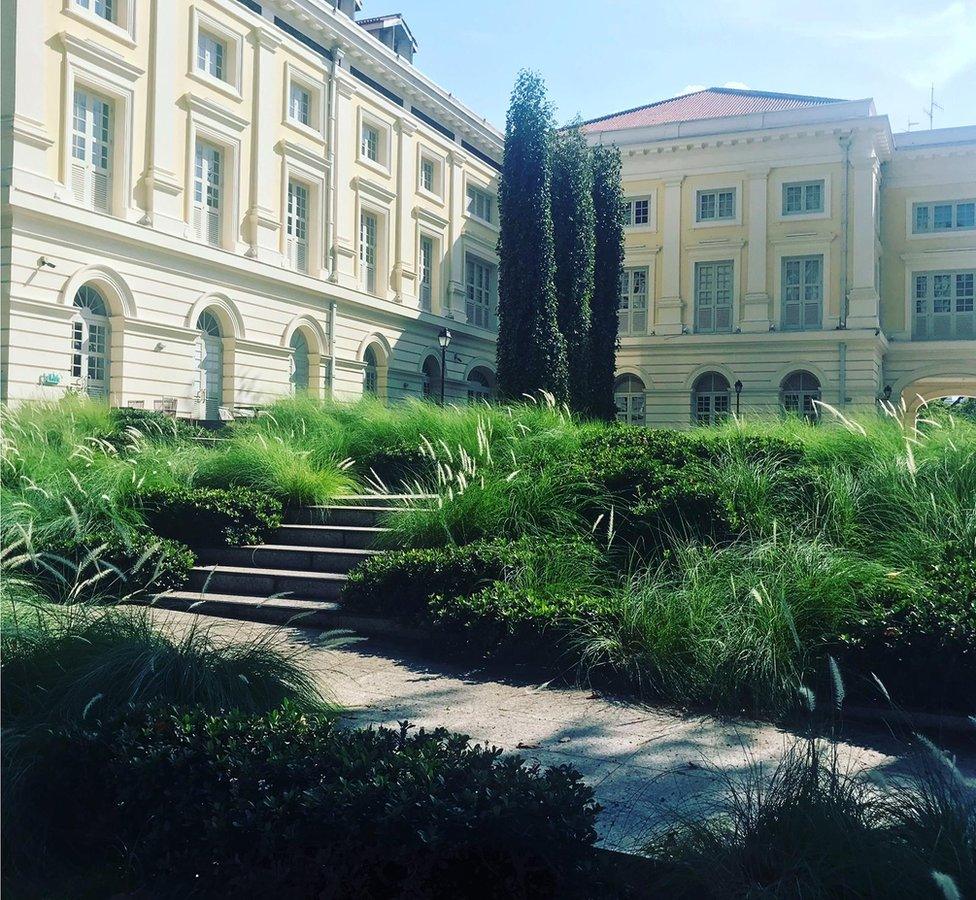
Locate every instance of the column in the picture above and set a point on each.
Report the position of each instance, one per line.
(755, 308)
(344, 224)
(263, 223)
(404, 268)
(863, 301)
(31, 138)
(669, 306)
(454, 303)
(163, 183)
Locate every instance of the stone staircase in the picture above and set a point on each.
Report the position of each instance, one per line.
(299, 576)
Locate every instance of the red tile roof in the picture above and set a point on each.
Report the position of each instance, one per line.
(711, 103)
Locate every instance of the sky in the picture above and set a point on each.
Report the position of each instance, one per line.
(607, 55)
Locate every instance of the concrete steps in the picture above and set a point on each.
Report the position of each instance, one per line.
(299, 577)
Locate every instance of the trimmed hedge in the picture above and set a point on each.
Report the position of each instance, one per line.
(151, 424)
(109, 564)
(300, 807)
(211, 516)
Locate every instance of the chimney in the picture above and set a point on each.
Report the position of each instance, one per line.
(393, 31)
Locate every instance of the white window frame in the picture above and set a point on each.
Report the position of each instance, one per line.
(630, 329)
(122, 28)
(712, 415)
(918, 263)
(384, 142)
(930, 205)
(491, 199)
(805, 246)
(298, 78)
(298, 248)
(94, 70)
(215, 125)
(429, 305)
(714, 306)
(311, 169)
(634, 402)
(488, 306)
(804, 183)
(630, 205)
(425, 154)
(85, 170)
(233, 42)
(80, 326)
(734, 219)
(962, 323)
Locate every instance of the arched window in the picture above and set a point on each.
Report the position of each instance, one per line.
(432, 378)
(90, 342)
(372, 383)
(799, 394)
(480, 383)
(299, 362)
(629, 395)
(210, 365)
(710, 399)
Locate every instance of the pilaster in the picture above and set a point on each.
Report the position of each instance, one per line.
(404, 268)
(346, 140)
(162, 185)
(669, 307)
(262, 225)
(28, 123)
(862, 298)
(455, 305)
(755, 304)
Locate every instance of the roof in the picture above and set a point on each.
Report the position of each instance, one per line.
(937, 137)
(710, 103)
(390, 20)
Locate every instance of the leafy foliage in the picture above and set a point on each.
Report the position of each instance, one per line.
(295, 805)
(573, 220)
(207, 517)
(531, 350)
(608, 266)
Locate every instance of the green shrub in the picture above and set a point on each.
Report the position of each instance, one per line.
(400, 582)
(109, 565)
(66, 663)
(297, 806)
(149, 424)
(204, 517)
(814, 828)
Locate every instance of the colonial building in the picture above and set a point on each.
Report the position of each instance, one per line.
(208, 204)
(784, 249)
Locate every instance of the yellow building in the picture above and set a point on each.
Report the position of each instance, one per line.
(211, 203)
(783, 249)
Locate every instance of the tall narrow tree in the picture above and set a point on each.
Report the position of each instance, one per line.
(531, 351)
(573, 223)
(609, 262)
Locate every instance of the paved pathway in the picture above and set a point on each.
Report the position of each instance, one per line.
(640, 760)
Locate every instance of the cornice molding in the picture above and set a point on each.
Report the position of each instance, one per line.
(208, 110)
(99, 56)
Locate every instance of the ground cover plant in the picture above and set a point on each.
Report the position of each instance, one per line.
(789, 540)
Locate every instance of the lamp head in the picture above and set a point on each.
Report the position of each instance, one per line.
(444, 338)
(738, 386)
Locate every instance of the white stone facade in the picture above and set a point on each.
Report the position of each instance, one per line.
(186, 200)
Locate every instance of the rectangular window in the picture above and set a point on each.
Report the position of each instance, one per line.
(632, 311)
(91, 151)
(713, 297)
(479, 204)
(944, 305)
(300, 105)
(426, 273)
(478, 278)
(207, 192)
(210, 55)
(368, 228)
(803, 197)
(297, 226)
(104, 9)
(948, 215)
(716, 206)
(802, 289)
(427, 172)
(637, 212)
(370, 143)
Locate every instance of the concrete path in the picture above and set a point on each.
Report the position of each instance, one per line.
(642, 761)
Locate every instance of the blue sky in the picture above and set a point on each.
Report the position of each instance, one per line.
(607, 55)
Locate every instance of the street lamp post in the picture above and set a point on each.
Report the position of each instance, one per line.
(444, 339)
(738, 394)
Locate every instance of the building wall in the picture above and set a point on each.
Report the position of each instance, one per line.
(869, 186)
(144, 257)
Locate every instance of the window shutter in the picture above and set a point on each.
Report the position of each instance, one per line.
(723, 318)
(101, 190)
(811, 314)
(213, 227)
(791, 314)
(301, 256)
(79, 182)
(639, 321)
(705, 321)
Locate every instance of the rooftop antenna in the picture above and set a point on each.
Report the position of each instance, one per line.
(910, 124)
(933, 106)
